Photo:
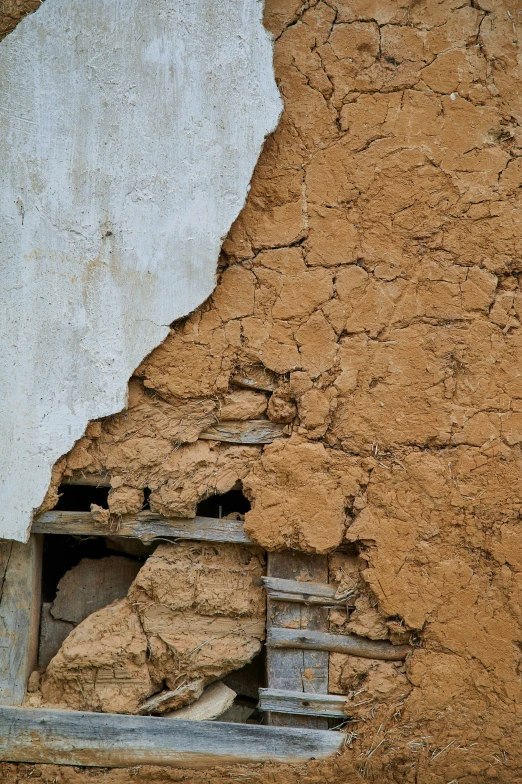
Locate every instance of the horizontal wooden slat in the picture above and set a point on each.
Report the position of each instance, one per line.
(303, 704)
(110, 740)
(253, 431)
(89, 480)
(338, 643)
(282, 590)
(255, 377)
(145, 525)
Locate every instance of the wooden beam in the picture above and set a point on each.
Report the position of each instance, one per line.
(255, 377)
(253, 431)
(109, 740)
(145, 525)
(20, 583)
(338, 643)
(298, 669)
(102, 479)
(282, 590)
(302, 704)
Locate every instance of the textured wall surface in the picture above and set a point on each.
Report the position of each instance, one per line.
(374, 274)
(374, 280)
(128, 136)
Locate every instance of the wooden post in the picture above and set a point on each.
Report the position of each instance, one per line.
(297, 670)
(20, 596)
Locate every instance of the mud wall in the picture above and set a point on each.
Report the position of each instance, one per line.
(372, 279)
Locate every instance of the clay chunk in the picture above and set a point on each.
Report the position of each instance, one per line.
(194, 613)
(91, 585)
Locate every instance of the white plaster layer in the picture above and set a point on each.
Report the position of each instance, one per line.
(129, 130)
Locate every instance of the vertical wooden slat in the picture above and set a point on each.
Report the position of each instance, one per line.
(20, 596)
(297, 670)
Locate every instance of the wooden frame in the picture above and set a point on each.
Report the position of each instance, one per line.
(296, 703)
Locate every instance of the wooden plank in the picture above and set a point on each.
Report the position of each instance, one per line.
(255, 377)
(52, 635)
(88, 480)
(282, 590)
(338, 643)
(303, 704)
(19, 616)
(214, 701)
(298, 669)
(252, 431)
(145, 525)
(109, 740)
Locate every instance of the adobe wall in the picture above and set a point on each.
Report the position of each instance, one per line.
(374, 274)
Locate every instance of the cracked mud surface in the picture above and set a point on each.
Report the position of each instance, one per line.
(375, 273)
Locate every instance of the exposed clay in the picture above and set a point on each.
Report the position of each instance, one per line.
(193, 614)
(375, 270)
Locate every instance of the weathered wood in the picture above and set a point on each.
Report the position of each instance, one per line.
(145, 525)
(214, 701)
(253, 431)
(338, 643)
(255, 377)
(92, 584)
(19, 616)
(102, 479)
(165, 700)
(108, 740)
(305, 592)
(52, 635)
(302, 704)
(297, 670)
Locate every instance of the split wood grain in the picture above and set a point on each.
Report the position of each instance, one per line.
(338, 643)
(255, 377)
(302, 704)
(297, 670)
(20, 582)
(145, 525)
(253, 431)
(109, 740)
(309, 593)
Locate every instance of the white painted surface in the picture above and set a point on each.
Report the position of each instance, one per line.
(129, 130)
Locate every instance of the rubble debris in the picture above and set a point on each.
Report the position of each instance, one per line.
(215, 700)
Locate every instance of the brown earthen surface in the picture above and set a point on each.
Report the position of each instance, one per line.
(193, 614)
(375, 270)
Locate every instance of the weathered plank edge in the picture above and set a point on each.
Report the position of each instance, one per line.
(337, 643)
(283, 590)
(112, 740)
(145, 525)
(19, 617)
(304, 704)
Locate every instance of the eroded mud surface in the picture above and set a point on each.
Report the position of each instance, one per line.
(375, 273)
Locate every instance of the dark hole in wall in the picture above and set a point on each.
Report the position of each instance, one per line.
(78, 498)
(61, 553)
(222, 505)
(146, 499)
(246, 682)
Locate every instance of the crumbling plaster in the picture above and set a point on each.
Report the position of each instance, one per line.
(128, 136)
